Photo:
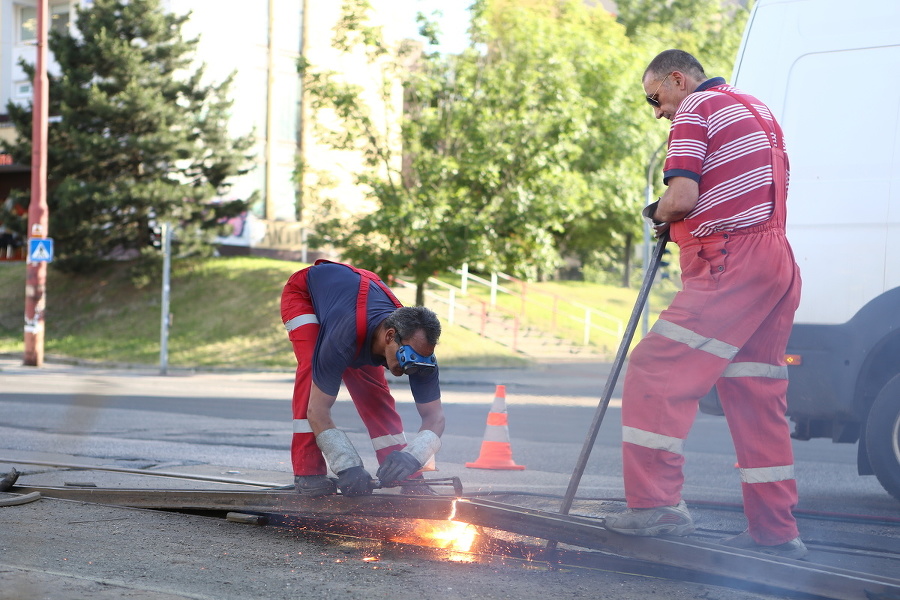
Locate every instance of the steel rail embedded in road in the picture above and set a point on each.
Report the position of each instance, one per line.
(787, 574)
(695, 556)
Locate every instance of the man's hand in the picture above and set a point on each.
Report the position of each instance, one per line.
(649, 214)
(397, 467)
(354, 481)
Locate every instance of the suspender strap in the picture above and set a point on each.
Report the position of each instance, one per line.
(762, 122)
(779, 160)
(366, 278)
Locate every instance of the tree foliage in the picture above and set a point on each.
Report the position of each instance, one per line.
(709, 29)
(528, 147)
(140, 139)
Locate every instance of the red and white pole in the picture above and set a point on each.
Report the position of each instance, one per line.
(38, 212)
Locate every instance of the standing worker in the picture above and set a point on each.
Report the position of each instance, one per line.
(345, 324)
(726, 172)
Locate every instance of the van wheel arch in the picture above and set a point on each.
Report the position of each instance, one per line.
(882, 436)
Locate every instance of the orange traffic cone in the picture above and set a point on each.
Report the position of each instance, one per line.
(496, 453)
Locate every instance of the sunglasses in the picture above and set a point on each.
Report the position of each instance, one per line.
(653, 99)
(411, 362)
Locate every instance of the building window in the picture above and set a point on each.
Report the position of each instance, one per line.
(22, 89)
(59, 21)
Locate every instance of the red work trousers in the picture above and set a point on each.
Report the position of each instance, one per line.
(367, 386)
(728, 327)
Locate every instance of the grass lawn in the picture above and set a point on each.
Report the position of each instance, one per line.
(225, 314)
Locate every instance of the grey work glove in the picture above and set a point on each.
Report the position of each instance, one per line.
(649, 214)
(397, 467)
(354, 481)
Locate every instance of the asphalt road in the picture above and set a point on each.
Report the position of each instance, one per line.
(238, 425)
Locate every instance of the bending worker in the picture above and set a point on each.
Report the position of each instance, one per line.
(345, 324)
(726, 172)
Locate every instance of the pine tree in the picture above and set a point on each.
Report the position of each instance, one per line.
(140, 139)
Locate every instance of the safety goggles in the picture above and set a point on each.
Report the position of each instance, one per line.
(653, 99)
(411, 362)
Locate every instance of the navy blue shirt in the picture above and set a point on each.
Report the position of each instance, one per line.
(333, 289)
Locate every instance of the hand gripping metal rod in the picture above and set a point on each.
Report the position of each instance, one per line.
(619, 361)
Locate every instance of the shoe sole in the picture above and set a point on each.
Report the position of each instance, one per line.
(795, 554)
(792, 554)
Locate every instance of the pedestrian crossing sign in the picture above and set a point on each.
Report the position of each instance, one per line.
(40, 249)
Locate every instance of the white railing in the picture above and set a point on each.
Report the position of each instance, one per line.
(478, 314)
(590, 316)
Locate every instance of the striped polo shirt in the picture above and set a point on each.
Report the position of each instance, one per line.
(716, 141)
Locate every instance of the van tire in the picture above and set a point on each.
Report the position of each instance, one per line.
(883, 436)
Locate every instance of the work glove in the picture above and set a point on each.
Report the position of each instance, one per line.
(397, 467)
(354, 481)
(649, 214)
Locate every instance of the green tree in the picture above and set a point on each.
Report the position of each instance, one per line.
(711, 30)
(408, 233)
(529, 146)
(499, 143)
(607, 106)
(140, 139)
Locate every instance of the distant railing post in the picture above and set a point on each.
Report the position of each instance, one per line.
(515, 343)
(493, 289)
(451, 306)
(464, 284)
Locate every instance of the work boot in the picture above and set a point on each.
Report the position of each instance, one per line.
(795, 548)
(416, 486)
(313, 486)
(662, 520)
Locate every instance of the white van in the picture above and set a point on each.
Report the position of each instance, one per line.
(830, 72)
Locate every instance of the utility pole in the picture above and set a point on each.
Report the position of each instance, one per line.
(166, 317)
(38, 212)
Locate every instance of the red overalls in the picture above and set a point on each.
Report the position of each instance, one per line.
(728, 327)
(367, 385)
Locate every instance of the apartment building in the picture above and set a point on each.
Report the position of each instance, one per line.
(259, 41)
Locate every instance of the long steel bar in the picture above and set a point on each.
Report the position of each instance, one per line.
(617, 364)
(171, 474)
(376, 505)
(800, 576)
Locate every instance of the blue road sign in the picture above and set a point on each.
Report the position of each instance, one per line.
(40, 249)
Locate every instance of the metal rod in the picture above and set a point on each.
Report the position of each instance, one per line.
(166, 287)
(139, 472)
(285, 503)
(614, 374)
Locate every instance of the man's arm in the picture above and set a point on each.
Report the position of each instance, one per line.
(432, 414)
(318, 411)
(679, 199)
(342, 457)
